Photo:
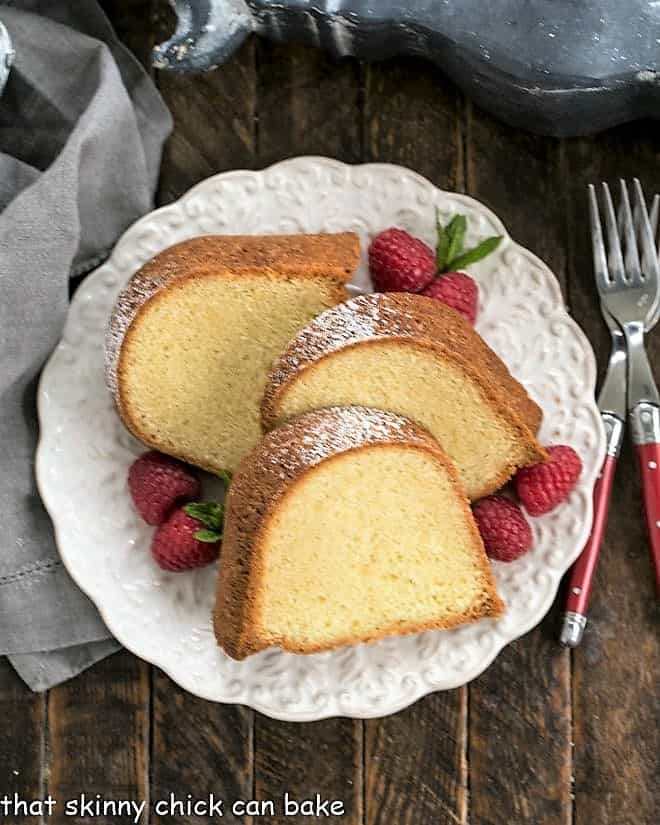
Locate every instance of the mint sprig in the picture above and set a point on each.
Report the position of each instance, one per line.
(211, 515)
(225, 476)
(442, 245)
(450, 253)
(208, 536)
(456, 229)
(476, 253)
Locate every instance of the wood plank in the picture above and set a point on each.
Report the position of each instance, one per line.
(415, 766)
(615, 680)
(97, 738)
(214, 130)
(518, 176)
(415, 117)
(520, 716)
(199, 749)
(23, 716)
(519, 747)
(322, 758)
(308, 104)
(415, 763)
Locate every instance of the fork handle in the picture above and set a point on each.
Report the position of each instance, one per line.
(645, 421)
(582, 573)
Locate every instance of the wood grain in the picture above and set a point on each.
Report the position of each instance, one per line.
(308, 104)
(23, 715)
(518, 175)
(97, 738)
(415, 117)
(303, 760)
(615, 682)
(519, 747)
(415, 761)
(520, 717)
(198, 748)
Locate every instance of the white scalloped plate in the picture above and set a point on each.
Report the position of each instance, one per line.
(84, 452)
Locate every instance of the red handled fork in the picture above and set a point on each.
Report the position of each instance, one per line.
(629, 288)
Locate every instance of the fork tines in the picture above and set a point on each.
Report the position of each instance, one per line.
(618, 263)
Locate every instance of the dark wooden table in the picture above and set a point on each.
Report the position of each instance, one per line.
(544, 737)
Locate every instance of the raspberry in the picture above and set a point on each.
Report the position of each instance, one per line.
(541, 487)
(504, 529)
(157, 482)
(400, 263)
(457, 290)
(184, 542)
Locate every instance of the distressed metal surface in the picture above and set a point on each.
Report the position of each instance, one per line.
(559, 67)
(6, 55)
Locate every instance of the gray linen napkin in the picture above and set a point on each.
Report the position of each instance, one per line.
(81, 133)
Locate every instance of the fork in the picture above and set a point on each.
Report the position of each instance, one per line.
(629, 291)
(612, 403)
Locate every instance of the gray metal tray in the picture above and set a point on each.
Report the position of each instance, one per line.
(558, 67)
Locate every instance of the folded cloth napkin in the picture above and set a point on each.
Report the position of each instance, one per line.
(81, 134)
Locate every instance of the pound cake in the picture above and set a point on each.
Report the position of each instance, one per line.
(347, 525)
(419, 358)
(196, 330)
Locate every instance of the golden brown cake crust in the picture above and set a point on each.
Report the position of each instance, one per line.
(391, 315)
(415, 321)
(465, 340)
(330, 258)
(270, 472)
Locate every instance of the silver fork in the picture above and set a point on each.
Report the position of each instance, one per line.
(613, 401)
(629, 289)
(610, 395)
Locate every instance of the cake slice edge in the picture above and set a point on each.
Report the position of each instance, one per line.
(269, 473)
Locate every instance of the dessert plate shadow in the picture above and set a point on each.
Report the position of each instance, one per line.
(84, 452)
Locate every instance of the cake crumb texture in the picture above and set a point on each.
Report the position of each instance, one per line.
(414, 356)
(347, 525)
(196, 330)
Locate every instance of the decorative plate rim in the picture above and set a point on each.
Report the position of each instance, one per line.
(64, 533)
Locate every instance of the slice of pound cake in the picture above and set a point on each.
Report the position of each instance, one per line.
(347, 525)
(417, 357)
(196, 330)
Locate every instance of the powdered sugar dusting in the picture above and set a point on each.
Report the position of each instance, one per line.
(359, 319)
(140, 289)
(266, 475)
(316, 436)
(328, 256)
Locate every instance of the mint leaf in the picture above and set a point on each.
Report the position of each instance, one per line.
(209, 513)
(455, 229)
(442, 244)
(208, 536)
(473, 255)
(225, 475)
